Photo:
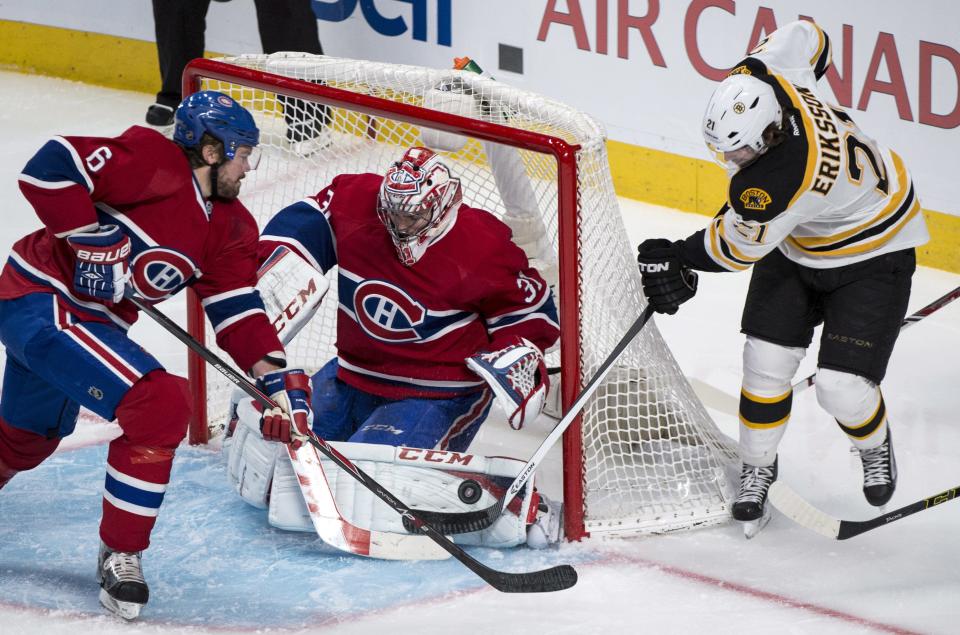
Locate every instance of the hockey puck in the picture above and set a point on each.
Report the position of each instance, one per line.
(469, 491)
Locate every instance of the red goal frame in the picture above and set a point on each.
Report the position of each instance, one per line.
(565, 155)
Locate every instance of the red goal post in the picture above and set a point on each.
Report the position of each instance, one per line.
(647, 412)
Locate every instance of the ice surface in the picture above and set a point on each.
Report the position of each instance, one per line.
(215, 566)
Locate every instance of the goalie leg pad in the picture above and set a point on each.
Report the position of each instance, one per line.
(288, 511)
(250, 459)
(432, 480)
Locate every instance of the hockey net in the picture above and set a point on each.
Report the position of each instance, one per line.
(645, 457)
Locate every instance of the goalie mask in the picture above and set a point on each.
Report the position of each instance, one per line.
(739, 111)
(418, 202)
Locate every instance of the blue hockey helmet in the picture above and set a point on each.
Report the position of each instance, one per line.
(218, 115)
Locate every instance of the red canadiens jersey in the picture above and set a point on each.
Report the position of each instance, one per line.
(406, 331)
(143, 183)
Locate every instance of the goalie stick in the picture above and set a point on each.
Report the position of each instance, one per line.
(338, 532)
(553, 579)
(465, 522)
(911, 319)
(794, 507)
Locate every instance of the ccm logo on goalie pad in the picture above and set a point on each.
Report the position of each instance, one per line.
(653, 267)
(386, 313)
(290, 311)
(416, 455)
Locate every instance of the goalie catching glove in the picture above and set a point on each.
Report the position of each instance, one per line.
(667, 283)
(290, 422)
(518, 376)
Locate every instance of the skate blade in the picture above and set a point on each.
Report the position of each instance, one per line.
(126, 610)
(753, 527)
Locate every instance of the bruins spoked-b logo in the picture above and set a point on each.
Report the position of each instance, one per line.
(739, 108)
(755, 198)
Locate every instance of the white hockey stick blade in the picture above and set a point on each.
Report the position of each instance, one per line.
(338, 532)
(791, 505)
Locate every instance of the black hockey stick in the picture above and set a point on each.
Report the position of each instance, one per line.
(913, 318)
(553, 579)
(465, 522)
(803, 513)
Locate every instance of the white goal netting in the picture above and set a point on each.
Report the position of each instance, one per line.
(647, 457)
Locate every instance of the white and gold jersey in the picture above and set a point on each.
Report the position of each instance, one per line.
(828, 195)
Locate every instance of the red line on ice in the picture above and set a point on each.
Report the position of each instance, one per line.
(775, 598)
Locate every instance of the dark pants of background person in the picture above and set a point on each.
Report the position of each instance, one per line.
(284, 25)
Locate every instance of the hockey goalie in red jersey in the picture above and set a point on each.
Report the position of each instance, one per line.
(829, 220)
(440, 313)
(133, 213)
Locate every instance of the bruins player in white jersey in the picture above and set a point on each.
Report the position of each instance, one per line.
(829, 221)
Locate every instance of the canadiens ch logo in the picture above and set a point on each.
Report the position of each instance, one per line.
(386, 312)
(405, 180)
(160, 272)
(755, 198)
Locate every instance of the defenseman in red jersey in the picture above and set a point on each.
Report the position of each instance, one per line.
(439, 314)
(136, 213)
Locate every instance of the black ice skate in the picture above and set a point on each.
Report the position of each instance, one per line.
(751, 505)
(879, 472)
(123, 590)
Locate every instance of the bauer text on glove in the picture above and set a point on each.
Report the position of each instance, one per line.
(102, 269)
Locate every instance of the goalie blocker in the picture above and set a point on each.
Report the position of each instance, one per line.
(433, 480)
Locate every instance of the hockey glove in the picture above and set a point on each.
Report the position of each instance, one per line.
(291, 421)
(102, 268)
(518, 377)
(666, 282)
